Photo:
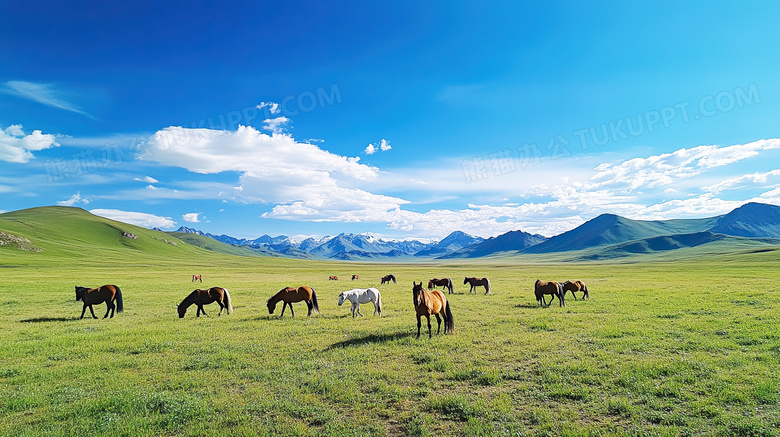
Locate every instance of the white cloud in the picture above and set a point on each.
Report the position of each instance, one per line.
(136, 218)
(191, 217)
(754, 178)
(382, 145)
(147, 179)
(272, 107)
(42, 93)
(74, 199)
(16, 147)
(275, 125)
(299, 177)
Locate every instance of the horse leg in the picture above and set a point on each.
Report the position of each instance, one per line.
(354, 305)
(284, 307)
(438, 322)
(221, 307)
(310, 305)
(109, 308)
(92, 311)
(419, 323)
(83, 310)
(358, 310)
(428, 316)
(292, 313)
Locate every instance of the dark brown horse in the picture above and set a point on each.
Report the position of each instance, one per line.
(576, 286)
(355, 277)
(427, 303)
(476, 282)
(106, 293)
(387, 279)
(204, 297)
(288, 295)
(443, 282)
(333, 278)
(197, 278)
(555, 289)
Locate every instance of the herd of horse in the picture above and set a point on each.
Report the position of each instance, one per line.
(427, 303)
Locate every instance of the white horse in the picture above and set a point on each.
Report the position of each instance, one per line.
(362, 295)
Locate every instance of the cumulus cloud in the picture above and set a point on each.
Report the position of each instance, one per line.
(74, 199)
(275, 125)
(191, 217)
(135, 218)
(45, 94)
(16, 147)
(300, 178)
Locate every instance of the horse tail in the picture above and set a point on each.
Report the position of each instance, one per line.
(393, 278)
(488, 286)
(585, 289)
(228, 303)
(449, 285)
(315, 306)
(379, 302)
(120, 305)
(450, 324)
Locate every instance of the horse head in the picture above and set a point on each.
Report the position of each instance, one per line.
(182, 310)
(466, 280)
(341, 298)
(417, 293)
(430, 283)
(80, 292)
(271, 306)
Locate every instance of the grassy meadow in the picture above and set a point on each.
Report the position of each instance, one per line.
(690, 347)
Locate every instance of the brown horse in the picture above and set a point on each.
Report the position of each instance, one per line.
(476, 282)
(552, 288)
(106, 293)
(333, 278)
(291, 294)
(443, 282)
(355, 277)
(387, 279)
(576, 286)
(204, 297)
(433, 302)
(197, 278)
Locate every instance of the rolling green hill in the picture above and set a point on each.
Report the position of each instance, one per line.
(213, 245)
(73, 235)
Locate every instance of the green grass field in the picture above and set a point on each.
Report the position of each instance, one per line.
(662, 348)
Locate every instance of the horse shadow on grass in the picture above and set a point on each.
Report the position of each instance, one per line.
(49, 319)
(371, 339)
(527, 305)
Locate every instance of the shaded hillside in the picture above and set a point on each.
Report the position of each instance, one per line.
(608, 229)
(512, 241)
(755, 220)
(455, 241)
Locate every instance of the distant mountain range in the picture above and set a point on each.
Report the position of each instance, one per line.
(606, 236)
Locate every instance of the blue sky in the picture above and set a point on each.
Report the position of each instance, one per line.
(402, 119)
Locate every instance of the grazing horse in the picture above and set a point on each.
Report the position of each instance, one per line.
(476, 282)
(204, 297)
(553, 288)
(362, 295)
(387, 279)
(432, 302)
(355, 277)
(197, 278)
(443, 282)
(291, 294)
(106, 293)
(576, 286)
(333, 278)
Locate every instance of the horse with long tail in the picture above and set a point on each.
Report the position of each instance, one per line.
(443, 282)
(555, 289)
(288, 295)
(434, 302)
(205, 297)
(106, 293)
(576, 286)
(386, 279)
(476, 282)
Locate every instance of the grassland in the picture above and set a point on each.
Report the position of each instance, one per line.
(662, 348)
